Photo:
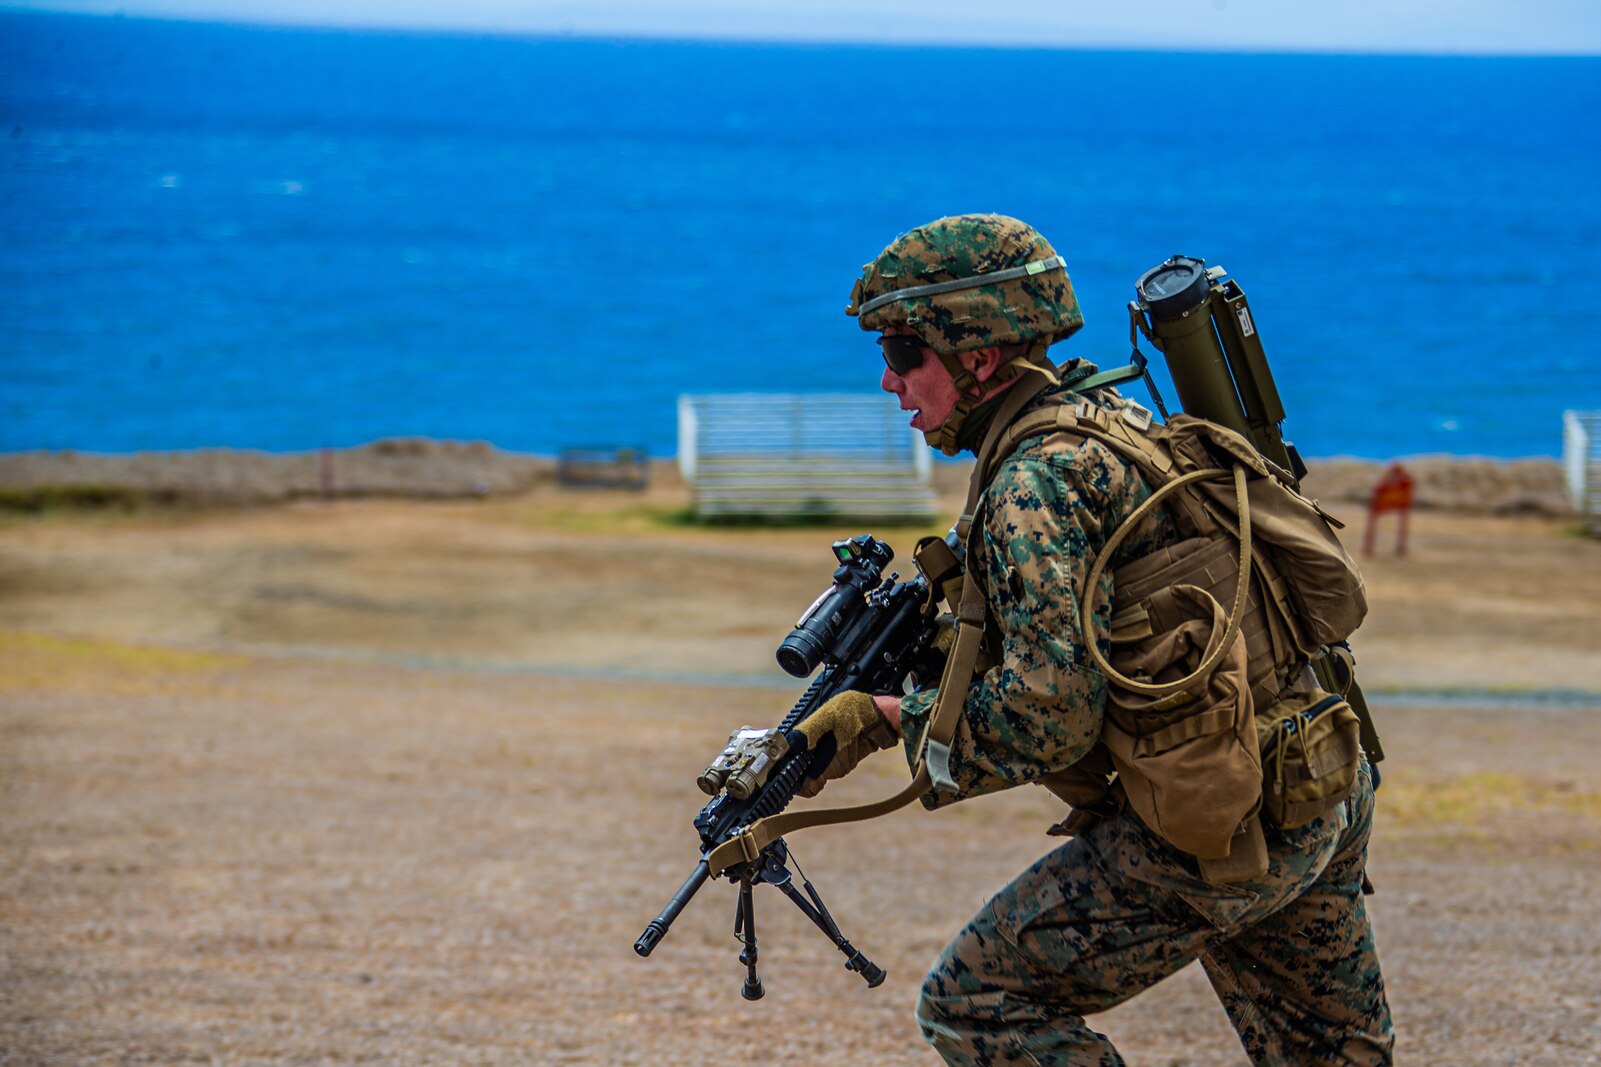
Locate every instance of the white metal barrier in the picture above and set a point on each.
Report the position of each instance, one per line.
(820, 455)
(1581, 463)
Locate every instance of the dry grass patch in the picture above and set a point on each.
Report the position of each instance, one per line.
(1412, 800)
(44, 661)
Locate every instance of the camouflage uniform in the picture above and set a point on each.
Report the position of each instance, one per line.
(1117, 909)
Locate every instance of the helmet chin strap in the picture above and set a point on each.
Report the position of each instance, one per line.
(974, 392)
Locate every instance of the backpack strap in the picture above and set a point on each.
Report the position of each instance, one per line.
(1126, 430)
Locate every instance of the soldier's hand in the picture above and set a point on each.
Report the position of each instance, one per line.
(851, 726)
(890, 707)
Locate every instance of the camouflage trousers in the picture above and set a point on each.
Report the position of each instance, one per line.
(1116, 909)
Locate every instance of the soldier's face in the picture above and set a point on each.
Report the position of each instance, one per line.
(927, 389)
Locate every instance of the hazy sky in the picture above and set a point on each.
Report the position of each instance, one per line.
(1482, 26)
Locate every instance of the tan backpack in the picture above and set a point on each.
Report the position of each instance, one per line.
(1208, 670)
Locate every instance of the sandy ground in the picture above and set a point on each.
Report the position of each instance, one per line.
(304, 785)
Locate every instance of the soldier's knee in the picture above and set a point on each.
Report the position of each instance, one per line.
(952, 1022)
(925, 1014)
(932, 1000)
(945, 1010)
(962, 1004)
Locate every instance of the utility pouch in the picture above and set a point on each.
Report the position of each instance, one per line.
(1187, 759)
(1311, 749)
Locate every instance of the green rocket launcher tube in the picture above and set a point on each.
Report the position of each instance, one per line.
(1200, 321)
(1203, 326)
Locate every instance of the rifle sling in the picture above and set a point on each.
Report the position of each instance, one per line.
(934, 748)
(746, 846)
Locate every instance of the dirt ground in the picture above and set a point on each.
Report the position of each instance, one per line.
(401, 782)
(615, 582)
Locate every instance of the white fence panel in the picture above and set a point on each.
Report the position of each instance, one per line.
(1581, 463)
(821, 455)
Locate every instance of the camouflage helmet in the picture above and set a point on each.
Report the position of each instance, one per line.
(928, 281)
(965, 282)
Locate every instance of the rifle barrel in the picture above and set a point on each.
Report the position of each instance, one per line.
(658, 926)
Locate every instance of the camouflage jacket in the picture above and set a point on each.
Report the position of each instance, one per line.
(1047, 512)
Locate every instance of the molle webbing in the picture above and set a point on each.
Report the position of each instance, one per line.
(1147, 603)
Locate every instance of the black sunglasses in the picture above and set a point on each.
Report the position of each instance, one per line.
(903, 353)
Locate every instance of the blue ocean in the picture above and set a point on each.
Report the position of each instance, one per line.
(292, 238)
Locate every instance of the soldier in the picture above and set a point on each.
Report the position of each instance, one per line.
(1288, 948)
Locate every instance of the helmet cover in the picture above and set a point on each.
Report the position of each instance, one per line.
(1027, 305)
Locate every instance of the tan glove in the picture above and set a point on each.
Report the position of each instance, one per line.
(858, 729)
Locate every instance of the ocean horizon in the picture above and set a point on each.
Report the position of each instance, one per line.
(279, 238)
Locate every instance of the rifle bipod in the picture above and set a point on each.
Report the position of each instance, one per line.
(770, 868)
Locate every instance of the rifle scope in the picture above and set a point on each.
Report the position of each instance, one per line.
(862, 560)
(1203, 325)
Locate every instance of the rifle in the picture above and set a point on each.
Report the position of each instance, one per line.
(870, 634)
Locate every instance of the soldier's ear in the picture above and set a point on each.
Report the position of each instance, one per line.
(983, 363)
